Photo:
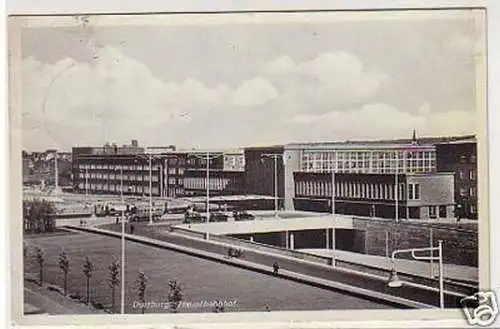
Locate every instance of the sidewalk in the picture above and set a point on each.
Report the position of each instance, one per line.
(414, 267)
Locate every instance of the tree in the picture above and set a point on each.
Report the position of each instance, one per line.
(64, 266)
(38, 216)
(40, 260)
(114, 271)
(175, 295)
(88, 268)
(141, 283)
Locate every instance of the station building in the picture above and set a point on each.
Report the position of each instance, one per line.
(174, 173)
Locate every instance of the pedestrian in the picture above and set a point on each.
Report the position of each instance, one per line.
(131, 228)
(276, 268)
(117, 220)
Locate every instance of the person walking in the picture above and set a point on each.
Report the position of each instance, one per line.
(276, 268)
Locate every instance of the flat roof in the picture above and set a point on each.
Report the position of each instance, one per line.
(357, 146)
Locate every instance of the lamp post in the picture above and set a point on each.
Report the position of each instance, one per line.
(395, 282)
(207, 158)
(150, 160)
(396, 187)
(56, 178)
(122, 244)
(274, 156)
(334, 170)
(167, 175)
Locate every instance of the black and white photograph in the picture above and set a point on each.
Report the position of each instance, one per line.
(250, 162)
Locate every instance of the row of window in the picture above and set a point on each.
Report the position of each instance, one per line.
(463, 159)
(118, 177)
(355, 190)
(175, 171)
(472, 191)
(199, 183)
(369, 161)
(116, 167)
(472, 174)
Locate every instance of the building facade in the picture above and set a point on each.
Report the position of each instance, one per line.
(417, 196)
(460, 157)
(173, 173)
(355, 159)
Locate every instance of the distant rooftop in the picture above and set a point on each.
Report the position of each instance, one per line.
(387, 143)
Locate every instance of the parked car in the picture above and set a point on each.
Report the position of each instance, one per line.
(242, 215)
(193, 217)
(218, 217)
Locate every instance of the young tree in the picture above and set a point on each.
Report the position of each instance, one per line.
(88, 268)
(114, 271)
(40, 260)
(64, 266)
(141, 284)
(175, 295)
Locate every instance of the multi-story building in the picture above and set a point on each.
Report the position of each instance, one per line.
(460, 157)
(361, 158)
(173, 173)
(116, 174)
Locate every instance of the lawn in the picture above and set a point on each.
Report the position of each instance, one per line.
(203, 281)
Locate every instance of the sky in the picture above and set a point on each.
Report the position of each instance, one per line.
(240, 84)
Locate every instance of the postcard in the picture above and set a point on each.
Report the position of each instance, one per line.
(265, 167)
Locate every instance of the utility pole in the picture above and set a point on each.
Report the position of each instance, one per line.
(275, 157)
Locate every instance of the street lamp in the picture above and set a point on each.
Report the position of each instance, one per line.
(56, 178)
(207, 158)
(167, 174)
(274, 156)
(334, 171)
(150, 158)
(122, 243)
(395, 282)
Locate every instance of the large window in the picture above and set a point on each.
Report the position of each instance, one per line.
(413, 191)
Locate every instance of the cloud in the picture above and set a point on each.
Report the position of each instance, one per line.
(281, 65)
(113, 97)
(254, 92)
(375, 121)
(117, 98)
(326, 81)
